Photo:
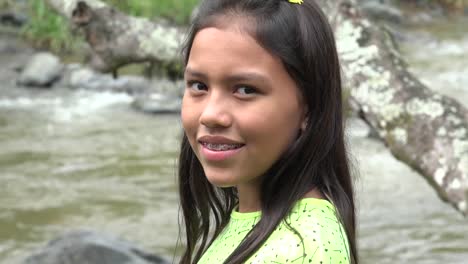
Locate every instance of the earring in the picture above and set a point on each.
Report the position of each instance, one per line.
(304, 125)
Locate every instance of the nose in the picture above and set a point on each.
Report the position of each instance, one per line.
(215, 113)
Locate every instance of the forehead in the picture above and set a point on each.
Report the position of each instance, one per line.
(230, 48)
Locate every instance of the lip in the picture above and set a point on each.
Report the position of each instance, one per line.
(211, 155)
(217, 140)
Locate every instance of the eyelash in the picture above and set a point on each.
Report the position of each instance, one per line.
(249, 88)
(191, 83)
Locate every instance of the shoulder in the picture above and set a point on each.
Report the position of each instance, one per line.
(322, 233)
(311, 234)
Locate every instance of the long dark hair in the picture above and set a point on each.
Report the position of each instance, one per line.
(302, 38)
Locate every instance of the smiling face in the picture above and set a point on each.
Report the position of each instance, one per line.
(241, 109)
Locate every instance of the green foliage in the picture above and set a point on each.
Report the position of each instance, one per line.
(177, 11)
(5, 4)
(48, 30)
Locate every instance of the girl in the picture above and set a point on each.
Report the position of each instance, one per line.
(263, 172)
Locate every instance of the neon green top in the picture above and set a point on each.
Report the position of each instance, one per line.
(324, 238)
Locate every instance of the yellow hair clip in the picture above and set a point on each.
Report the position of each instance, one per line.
(296, 1)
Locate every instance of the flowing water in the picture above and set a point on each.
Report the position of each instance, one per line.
(84, 160)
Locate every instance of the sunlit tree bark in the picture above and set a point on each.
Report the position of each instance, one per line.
(117, 39)
(425, 130)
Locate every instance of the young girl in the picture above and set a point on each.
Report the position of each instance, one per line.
(263, 171)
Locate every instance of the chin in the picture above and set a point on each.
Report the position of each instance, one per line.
(221, 181)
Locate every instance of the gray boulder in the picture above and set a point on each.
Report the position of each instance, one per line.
(14, 19)
(86, 247)
(78, 77)
(42, 70)
(382, 11)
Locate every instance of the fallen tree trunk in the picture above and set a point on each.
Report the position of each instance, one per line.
(117, 39)
(427, 131)
(459, 6)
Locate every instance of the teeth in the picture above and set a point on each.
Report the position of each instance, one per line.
(221, 147)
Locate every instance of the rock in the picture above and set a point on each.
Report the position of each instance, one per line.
(382, 11)
(86, 247)
(78, 77)
(42, 70)
(157, 104)
(168, 87)
(130, 84)
(13, 19)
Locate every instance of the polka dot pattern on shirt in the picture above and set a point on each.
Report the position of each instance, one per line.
(323, 237)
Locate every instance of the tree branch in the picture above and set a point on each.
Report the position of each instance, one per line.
(422, 128)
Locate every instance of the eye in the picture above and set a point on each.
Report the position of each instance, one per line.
(246, 90)
(196, 86)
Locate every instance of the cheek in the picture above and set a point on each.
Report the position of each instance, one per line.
(268, 139)
(185, 118)
(279, 122)
(187, 113)
(189, 120)
(272, 131)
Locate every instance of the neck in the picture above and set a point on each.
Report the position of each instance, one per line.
(314, 193)
(249, 198)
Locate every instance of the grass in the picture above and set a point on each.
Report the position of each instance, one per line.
(5, 4)
(48, 30)
(176, 11)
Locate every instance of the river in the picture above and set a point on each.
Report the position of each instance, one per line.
(85, 160)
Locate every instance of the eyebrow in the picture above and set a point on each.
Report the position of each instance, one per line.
(238, 77)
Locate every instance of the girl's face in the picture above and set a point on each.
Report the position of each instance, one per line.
(240, 110)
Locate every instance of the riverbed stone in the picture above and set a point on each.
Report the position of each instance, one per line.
(88, 247)
(12, 18)
(169, 87)
(42, 70)
(157, 104)
(382, 11)
(78, 77)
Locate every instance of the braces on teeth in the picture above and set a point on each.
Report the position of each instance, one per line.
(220, 147)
